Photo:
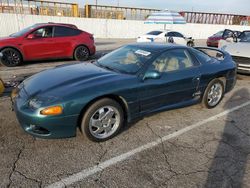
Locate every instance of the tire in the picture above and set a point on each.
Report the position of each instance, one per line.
(107, 116)
(11, 57)
(211, 97)
(81, 53)
(170, 40)
(190, 44)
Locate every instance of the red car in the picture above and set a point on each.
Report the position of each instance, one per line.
(46, 41)
(213, 41)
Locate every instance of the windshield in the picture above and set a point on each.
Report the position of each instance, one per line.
(128, 59)
(154, 33)
(245, 36)
(23, 31)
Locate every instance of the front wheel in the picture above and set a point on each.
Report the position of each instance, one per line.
(81, 53)
(190, 44)
(102, 120)
(213, 93)
(11, 57)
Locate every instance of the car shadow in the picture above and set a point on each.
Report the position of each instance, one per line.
(230, 159)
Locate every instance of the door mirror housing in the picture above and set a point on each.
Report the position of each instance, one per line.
(31, 36)
(152, 74)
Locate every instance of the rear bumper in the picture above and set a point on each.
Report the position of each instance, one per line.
(212, 43)
(44, 127)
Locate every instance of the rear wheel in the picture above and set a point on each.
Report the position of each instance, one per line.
(11, 57)
(81, 53)
(102, 120)
(213, 93)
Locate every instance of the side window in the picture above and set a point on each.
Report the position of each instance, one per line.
(201, 56)
(65, 31)
(44, 32)
(170, 34)
(172, 60)
(178, 35)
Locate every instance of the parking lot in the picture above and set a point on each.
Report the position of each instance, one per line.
(188, 147)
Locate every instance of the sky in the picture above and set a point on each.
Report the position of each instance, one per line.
(215, 6)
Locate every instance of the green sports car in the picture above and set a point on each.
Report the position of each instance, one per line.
(124, 85)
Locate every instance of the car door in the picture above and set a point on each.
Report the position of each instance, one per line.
(178, 84)
(65, 38)
(39, 44)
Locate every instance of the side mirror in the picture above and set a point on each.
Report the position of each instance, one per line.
(152, 74)
(31, 36)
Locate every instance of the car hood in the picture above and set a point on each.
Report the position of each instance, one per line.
(7, 39)
(240, 49)
(63, 80)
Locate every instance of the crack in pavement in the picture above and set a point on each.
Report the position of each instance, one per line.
(28, 178)
(14, 166)
(14, 169)
(99, 179)
(163, 150)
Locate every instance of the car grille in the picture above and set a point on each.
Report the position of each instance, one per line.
(243, 63)
(241, 60)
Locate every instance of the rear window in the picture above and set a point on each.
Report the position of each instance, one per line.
(219, 34)
(65, 31)
(202, 56)
(155, 33)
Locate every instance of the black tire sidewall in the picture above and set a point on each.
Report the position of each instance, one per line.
(92, 109)
(12, 65)
(75, 53)
(204, 99)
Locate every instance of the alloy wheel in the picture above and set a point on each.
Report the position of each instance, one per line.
(104, 122)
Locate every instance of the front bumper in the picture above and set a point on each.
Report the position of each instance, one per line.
(243, 64)
(43, 126)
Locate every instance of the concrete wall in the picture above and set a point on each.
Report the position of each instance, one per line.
(105, 28)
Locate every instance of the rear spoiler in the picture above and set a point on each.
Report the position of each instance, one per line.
(220, 53)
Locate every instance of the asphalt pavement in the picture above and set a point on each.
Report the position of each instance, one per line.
(187, 147)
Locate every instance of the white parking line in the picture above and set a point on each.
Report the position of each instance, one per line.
(97, 168)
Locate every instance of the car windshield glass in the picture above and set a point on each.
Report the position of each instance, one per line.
(128, 59)
(245, 37)
(154, 33)
(22, 32)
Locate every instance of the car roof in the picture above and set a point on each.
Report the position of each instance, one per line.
(153, 46)
(56, 24)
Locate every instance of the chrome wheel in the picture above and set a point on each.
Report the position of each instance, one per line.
(11, 57)
(104, 122)
(214, 94)
(81, 53)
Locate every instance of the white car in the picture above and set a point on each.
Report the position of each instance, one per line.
(239, 49)
(166, 36)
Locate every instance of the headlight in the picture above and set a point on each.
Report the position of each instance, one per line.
(40, 101)
(35, 103)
